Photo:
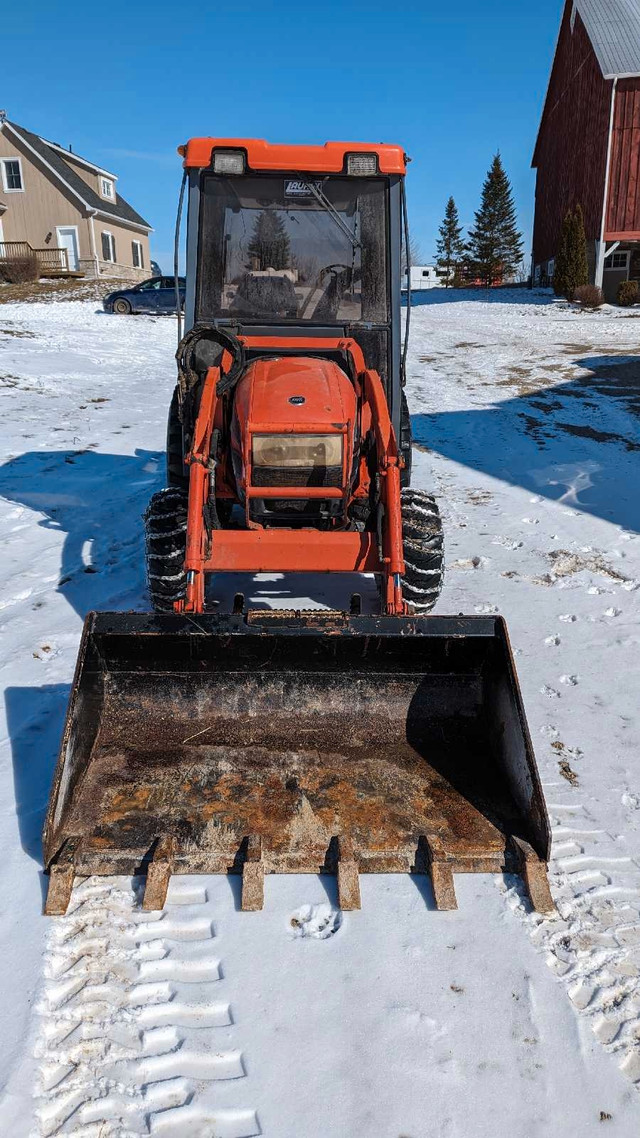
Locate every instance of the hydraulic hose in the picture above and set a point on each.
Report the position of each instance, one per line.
(188, 375)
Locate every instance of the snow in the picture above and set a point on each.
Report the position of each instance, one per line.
(300, 1020)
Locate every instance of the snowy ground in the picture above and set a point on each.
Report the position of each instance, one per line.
(299, 1022)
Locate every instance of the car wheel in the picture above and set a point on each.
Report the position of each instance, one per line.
(122, 307)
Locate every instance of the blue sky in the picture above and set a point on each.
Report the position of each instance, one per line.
(125, 83)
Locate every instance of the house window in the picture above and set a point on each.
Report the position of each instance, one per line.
(136, 253)
(617, 261)
(108, 247)
(12, 175)
(106, 188)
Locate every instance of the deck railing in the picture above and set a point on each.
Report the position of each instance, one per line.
(50, 259)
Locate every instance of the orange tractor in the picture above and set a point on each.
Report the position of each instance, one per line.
(250, 741)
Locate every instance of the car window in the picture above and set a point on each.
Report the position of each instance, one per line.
(148, 286)
(169, 282)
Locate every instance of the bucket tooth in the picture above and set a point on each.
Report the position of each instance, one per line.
(253, 876)
(348, 878)
(158, 875)
(534, 875)
(441, 874)
(61, 875)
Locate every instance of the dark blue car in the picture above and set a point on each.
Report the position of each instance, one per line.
(156, 295)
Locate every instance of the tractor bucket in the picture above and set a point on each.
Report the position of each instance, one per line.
(295, 743)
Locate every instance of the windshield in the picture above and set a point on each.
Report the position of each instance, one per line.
(278, 248)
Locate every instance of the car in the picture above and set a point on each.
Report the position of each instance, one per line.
(156, 295)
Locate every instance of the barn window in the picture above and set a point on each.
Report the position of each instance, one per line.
(617, 261)
(136, 253)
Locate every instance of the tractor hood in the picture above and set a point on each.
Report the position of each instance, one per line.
(299, 394)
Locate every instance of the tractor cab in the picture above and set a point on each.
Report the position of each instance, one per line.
(298, 242)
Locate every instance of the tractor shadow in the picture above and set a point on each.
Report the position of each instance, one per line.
(577, 443)
(97, 501)
(35, 718)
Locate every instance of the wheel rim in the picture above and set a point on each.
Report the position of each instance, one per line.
(122, 307)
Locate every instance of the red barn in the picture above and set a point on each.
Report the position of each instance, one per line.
(588, 147)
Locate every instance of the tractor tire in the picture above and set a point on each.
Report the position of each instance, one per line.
(406, 442)
(177, 472)
(423, 550)
(165, 522)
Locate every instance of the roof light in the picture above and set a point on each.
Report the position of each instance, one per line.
(228, 162)
(362, 164)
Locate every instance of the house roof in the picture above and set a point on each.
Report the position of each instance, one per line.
(613, 26)
(52, 156)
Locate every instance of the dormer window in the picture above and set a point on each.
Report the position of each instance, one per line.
(107, 189)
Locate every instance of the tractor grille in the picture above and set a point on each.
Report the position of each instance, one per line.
(296, 476)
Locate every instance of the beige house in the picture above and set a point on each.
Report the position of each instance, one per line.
(67, 209)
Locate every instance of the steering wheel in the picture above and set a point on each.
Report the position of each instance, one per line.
(335, 269)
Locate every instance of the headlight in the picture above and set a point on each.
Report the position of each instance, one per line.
(297, 450)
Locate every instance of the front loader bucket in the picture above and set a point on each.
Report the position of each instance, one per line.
(295, 743)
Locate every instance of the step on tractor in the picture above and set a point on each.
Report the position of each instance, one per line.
(258, 741)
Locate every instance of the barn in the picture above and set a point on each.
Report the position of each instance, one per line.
(588, 145)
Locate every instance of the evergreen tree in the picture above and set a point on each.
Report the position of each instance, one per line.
(450, 247)
(269, 247)
(579, 262)
(571, 268)
(494, 249)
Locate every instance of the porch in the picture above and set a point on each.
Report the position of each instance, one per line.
(52, 262)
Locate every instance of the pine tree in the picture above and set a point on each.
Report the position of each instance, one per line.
(580, 264)
(494, 249)
(571, 269)
(269, 247)
(450, 247)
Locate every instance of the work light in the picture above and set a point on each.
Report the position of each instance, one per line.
(228, 162)
(362, 164)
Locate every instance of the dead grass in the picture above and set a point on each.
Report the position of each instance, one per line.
(61, 290)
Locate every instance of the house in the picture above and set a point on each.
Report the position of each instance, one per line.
(588, 147)
(425, 276)
(67, 210)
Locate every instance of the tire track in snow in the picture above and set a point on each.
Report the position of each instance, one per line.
(593, 944)
(135, 1028)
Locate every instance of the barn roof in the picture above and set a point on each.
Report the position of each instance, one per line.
(613, 26)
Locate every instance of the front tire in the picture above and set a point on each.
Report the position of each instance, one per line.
(121, 307)
(177, 472)
(406, 441)
(423, 542)
(166, 541)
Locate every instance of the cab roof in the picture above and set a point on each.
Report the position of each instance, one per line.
(261, 155)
